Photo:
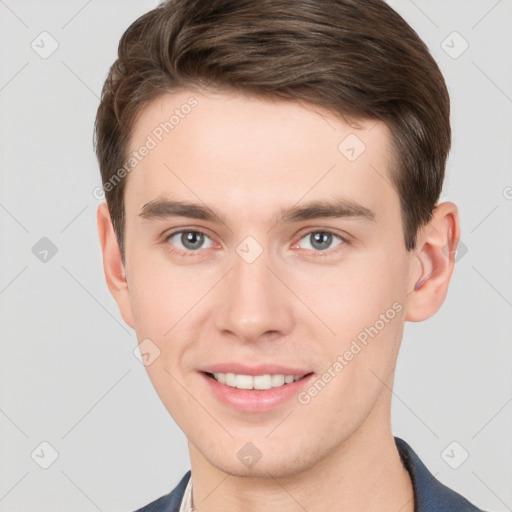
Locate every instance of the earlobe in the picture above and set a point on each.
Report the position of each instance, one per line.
(434, 258)
(113, 265)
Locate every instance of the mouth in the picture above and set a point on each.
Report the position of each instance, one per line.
(255, 382)
(255, 388)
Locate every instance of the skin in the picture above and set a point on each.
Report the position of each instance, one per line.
(248, 158)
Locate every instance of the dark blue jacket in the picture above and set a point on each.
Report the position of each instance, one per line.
(430, 495)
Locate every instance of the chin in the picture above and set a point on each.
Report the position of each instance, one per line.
(265, 462)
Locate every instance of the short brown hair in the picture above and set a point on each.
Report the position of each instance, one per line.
(355, 58)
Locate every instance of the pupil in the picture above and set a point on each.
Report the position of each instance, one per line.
(192, 240)
(321, 241)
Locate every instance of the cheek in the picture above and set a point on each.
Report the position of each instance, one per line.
(168, 305)
(161, 295)
(148, 295)
(353, 294)
(362, 301)
(162, 303)
(363, 305)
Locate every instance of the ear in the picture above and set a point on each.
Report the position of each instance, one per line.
(434, 260)
(113, 265)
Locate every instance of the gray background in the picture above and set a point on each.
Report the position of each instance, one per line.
(67, 369)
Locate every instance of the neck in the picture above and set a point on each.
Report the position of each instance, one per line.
(364, 473)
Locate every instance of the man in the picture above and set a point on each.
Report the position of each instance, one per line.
(272, 172)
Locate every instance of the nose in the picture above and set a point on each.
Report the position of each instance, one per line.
(254, 303)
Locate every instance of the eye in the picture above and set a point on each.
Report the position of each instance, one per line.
(321, 240)
(188, 240)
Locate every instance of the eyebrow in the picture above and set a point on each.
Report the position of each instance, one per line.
(332, 208)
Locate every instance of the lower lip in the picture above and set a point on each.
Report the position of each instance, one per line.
(256, 400)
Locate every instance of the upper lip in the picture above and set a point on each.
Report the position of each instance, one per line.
(260, 369)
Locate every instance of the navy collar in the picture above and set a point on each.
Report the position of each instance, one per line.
(430, 495)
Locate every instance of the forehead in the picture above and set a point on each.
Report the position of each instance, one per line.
(246, 151)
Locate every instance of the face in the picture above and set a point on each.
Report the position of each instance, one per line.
(292, 261)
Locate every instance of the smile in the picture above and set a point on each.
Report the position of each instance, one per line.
(261, 382)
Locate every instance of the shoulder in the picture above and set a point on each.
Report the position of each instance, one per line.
(170, 502)
(429, 493)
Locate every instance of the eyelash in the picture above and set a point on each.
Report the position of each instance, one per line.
(325, 253)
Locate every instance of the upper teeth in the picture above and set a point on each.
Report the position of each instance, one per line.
(266, 381)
